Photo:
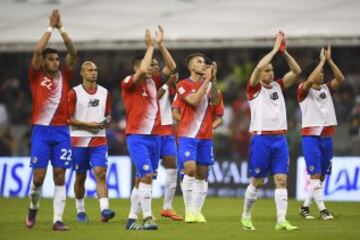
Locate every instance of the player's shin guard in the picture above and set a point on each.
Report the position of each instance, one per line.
(281, 201)
(199, 195)
(34, 196)
(316, 190)
(135, 206)
(250, 199)
(59, 203)
(170, 187)
(187, 187)
(145, 199)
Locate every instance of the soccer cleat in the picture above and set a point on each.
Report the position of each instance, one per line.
(106, 215)
(189, 217)
(60, 226)
(30, 218)
(170, 213)
(247, 224)
(132, 224)
(305, 213)
(199, 218)
(149, 224)
(285, 226)
(326, 215)
(82, 217)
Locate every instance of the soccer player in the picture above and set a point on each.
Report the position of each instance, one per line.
(90, 113)
(318, 126)
(168, 151)
(199, 116)
(139, 95)
(50, 134)
(268, 149)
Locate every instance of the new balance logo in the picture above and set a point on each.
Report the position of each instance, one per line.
(93, 103)
(274, 96)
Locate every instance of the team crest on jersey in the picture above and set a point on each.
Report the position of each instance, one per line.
(34, 160)
(323, 95)
(77, 167)
(257, 170)
(146, 167)
(93, 103)
(274, 96)
(187, 154)
(311, 168)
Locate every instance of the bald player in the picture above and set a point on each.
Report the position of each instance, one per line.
(90, 114)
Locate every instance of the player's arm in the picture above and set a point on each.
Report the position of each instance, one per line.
(170, 65)
(214, 91)
(88, 126)
(339, 76)
(170, 84)
(316, 72)
(219, 112)
(145, 64)
(255, 76)
(176, 115)
(37, 56)
(71, 56)
(195, 98)
(217, 122)
(295, 70)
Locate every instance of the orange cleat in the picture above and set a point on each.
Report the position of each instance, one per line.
(170, 213)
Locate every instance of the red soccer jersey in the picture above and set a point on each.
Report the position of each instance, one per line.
(87, 141)
(140, 101)
(196, 122)
(49, 96)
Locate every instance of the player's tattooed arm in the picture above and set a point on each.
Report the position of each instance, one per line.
(37, 56)
(339, 76)
(265, 61)
(71, 56)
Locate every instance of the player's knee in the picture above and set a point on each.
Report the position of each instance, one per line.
(257, 183)
(80, 178)
(147, 178)
(100, 174)
(59, 178)
(38, 181)
(280, 182)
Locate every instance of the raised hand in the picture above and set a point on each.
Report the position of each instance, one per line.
(322, 55)
(278, 41)
(328, 53)
(54, 19)
(148, 38)
(160, 35)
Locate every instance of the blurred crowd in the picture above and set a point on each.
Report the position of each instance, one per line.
(235, 66)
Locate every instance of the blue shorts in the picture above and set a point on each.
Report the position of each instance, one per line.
(85, 158)
(318, 152)
(144, 151)
(50, 143)
(268, 153)
(198, 150)
(167, 146)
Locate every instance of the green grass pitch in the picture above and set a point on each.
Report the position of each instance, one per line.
(223, 215)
